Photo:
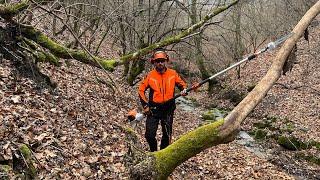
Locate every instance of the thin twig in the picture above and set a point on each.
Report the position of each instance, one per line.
(24, 160)
(35, 157)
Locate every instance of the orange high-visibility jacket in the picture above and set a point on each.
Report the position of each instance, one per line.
(161, 86)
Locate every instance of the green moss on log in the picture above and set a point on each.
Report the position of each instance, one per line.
(137, 67)
(109, 64)
(47, 57)
(27, 155)
(66, 53)
(8, 10)
(187, 146)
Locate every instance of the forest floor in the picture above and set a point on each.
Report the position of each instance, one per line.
(74, 130)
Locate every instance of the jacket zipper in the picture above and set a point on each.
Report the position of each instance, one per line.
(163, 88)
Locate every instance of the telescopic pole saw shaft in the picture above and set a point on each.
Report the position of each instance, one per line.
(270, 46)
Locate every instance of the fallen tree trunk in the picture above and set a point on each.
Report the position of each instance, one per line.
(160, 164)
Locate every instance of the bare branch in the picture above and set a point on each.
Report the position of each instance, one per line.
(7, 11)
(177, 38)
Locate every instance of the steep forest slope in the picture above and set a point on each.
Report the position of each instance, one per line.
(75, 130)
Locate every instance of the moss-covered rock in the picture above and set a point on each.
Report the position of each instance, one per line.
(310, 158)
(260, 134)
(266, 123)
(213, 114)
(267, 128)
(313, 159)
(194, 101)
(289, 127)
(292, 143)
(315, 144)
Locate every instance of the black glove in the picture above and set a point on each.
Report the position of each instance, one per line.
(146, 110)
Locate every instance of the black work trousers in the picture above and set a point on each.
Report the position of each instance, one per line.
(152, 127)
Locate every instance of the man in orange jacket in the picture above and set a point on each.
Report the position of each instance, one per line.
(160, 107)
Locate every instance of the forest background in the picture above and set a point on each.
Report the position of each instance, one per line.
(70, 69)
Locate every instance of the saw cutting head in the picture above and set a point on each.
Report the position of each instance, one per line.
(133, 115)
(273, 45)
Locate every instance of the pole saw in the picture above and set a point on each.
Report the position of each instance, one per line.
(133, 115)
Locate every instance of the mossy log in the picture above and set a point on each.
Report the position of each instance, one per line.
(158, 165)
(64, 52)
(42, 56)
(39, 54)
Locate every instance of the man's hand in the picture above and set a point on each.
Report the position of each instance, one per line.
(195, 86)
(184, 92)
(146, 110)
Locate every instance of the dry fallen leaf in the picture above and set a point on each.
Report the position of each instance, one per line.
(16, 99)
(49, 153)
(41, 137)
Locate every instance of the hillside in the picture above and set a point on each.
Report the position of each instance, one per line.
(74, 130)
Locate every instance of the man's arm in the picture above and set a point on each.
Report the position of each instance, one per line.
(180, 83)
(142, 89)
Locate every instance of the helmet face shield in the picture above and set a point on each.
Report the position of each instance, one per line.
(159, 60)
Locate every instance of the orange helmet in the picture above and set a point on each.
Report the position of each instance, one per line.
(159, 55)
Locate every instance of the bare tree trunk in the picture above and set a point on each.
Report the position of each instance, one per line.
(137, 66)
(238, 44)
(198, 49)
